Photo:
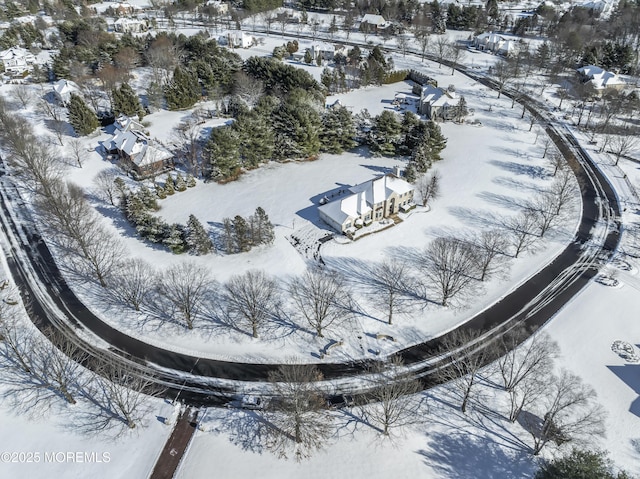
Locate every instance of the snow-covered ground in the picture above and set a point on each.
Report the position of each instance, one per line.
(483, 168)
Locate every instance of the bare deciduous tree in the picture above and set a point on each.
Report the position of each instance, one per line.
(185, 285)
(248, 89)
(443, 48)
(297, 415)
(622, 145)
(428, 187)
(189, 143)
(23, 94)
(77, 150)
(322, 298)
(522, 230)
(544, 208)
(467, 355)
(133, 282)
(524, 357)
(54, 113)
(392, 395)
(489, 254)
(567, 411)
(105, 184)
(120, 394)
(389, 282)
(564, 189)
(252, 297)
(555, 160)
(447, 265)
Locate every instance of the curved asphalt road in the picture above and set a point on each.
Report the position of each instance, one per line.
(213, 381)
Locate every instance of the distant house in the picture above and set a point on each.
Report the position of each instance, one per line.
(373, 22)
(239, 39)
(326, 51)
(221, 7)
(62, 90)
(600, 79)
(123, 9)
(130, 25)
(17, 60)
(438, 103)
(367, 202)
(495, 43)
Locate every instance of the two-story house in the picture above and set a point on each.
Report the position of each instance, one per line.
(367, 202)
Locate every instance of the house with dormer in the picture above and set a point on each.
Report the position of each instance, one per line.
(364, 203)
(438, 103)
(16, 60)
(600, 79)
(136, 152)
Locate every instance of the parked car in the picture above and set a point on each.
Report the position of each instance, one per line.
(339, 401)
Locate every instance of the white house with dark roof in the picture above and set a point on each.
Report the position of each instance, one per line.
(17, 60)
(600, 79)
(367, 202)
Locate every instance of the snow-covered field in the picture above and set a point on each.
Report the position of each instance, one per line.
(485, 169)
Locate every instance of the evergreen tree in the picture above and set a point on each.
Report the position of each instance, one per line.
(410, 172)
(385, 134)
(122, 189)
(422, 157)
(82, 118)
(256, 138)
(228, 235)
(297, 126)
(181, 185)
(197, 237)
(191, 181)
(152, 228)
(184, 89)
(338, 130)
(149, 198)
(126, 102)
(261, 228)
(222, 154)
(580, 464)
(461, 110)
(134, 208)
(160, 192)
(169, 187)
(241, 234)
(175, 239)
(436, 140)
(308, 59)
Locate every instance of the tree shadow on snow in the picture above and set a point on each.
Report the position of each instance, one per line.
(460, 455)
(521, 169)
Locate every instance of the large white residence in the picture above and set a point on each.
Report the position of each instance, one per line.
(367, 202)
(438, 103)
(600, 79)
(17, 60)
(495, 43)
